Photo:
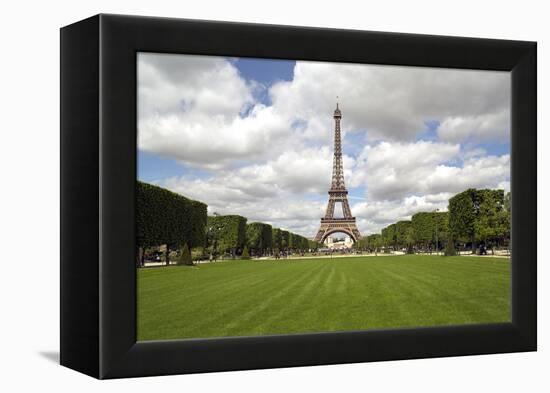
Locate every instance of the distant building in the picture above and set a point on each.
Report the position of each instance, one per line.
(337, 243)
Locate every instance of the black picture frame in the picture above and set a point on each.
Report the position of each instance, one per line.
(98, 175)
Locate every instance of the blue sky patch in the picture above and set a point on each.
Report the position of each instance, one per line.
(430, 132)
(266, 72)
(153, 168)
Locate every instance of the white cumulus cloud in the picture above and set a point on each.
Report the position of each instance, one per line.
(272, 161)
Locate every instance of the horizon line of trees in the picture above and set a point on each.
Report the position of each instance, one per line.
(176, 223)
(475, 217)
(233, 234)
(167, 219)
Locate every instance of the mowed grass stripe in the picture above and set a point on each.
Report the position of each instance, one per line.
(242, 298)
(237, 295)
(465, 301)
(259, 318)
(483, 288)
(249, 308)
(297, 303)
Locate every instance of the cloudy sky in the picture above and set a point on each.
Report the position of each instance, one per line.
(254, 136)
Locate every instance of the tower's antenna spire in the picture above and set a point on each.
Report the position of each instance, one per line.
(337, 112)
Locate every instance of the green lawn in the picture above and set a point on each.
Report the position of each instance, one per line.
(244, 298)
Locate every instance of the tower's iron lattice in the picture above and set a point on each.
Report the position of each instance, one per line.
(337, 193)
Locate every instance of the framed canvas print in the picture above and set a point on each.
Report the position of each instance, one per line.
(240, 196)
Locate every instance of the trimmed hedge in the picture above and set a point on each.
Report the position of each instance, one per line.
(276, 239)
(313, 245)
(258, 237)
(298, 242)
(226, 233)
(285, 235)
(164, 217)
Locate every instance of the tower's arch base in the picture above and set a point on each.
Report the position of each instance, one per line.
(335, 225)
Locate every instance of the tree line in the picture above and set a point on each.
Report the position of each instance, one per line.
(232, 234)
(164, 218)
(474, 218)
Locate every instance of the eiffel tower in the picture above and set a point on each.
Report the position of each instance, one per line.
(337, 193)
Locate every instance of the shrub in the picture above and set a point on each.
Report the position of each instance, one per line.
(245, 254)
(185, 256)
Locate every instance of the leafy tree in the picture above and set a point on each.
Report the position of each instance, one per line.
(422, 228)
(462, 216)
(313, 245)
(305, 243)
(441, 228)
(284, 239)
(276, 240)
(226, 233)
(429, 228)
(293, 241)
(376, 242)
(478, 215)
(266, 236)
(258, 237)
(409, 239)
(473, 215)
(360, 244)
(404, 234)
(371, 242)
(297, 242)
(507, 216)
(197, 221)
(492, 221)
(389, 236)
